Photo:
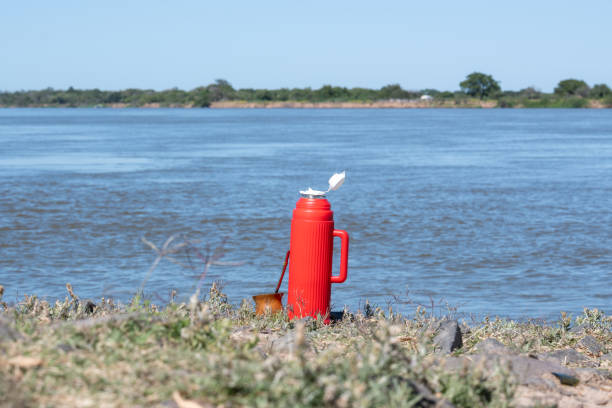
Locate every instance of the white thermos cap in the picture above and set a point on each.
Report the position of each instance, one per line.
(335, 182)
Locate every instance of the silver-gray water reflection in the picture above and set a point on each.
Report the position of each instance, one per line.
(492, 211)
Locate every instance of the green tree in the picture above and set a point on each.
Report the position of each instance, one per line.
(112, 97)
(328, 92)
(530, 93)
(201, 97)
(282, 94)
(264, 95)
(600, 91)
(572, 87)
(221, 90)
(363, 94)
(480, 85)
(301, 94)
(393, 91)
(430, 92)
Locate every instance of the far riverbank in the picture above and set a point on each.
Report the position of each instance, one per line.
(382, 104)
(387, 104)
(478, 91)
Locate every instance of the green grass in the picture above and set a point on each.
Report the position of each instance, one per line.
(212, 352)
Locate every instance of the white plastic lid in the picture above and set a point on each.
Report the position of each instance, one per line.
(335, 182)
(311, 192)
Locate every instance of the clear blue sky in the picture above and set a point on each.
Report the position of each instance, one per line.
(271, 44)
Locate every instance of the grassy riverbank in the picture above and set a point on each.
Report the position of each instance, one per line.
(209, 353)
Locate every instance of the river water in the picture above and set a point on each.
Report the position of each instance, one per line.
(482, 212)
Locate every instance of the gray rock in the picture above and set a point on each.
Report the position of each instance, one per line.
(452, 363)
(587, 374)
(449, 337)
(531, 371)
(524, 369)
(566, 356)
(580, 328)
(491, 345)
(592, 345)
(607, 357)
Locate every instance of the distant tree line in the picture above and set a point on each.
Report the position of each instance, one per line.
(477, 85)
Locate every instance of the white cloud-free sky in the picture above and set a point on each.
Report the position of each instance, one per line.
(271, 44)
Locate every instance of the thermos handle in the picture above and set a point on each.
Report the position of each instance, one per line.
(344, 249)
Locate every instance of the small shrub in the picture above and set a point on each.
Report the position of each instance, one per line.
(506, 103)
(573, 102)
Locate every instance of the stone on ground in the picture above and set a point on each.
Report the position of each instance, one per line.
(449, 337)
(491, 345)
(566, 356)
(591, 344)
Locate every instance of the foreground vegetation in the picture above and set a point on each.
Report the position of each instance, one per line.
(477, 90)
(207, 352)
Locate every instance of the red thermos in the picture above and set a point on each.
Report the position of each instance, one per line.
(310, 267)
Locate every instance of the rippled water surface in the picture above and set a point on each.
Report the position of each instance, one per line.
(503, 212)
